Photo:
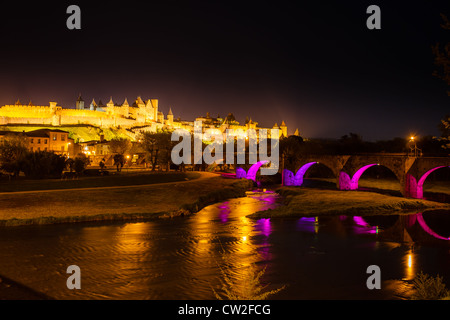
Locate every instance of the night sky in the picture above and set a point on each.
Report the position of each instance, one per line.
(313, 64)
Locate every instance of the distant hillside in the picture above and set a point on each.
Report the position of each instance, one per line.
(78, 133)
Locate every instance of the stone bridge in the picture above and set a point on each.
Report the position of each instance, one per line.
(410, 171)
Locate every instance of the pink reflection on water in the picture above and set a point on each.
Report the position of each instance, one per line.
(427, 229)
(263, 225)
(364, 227)
(308, 224)
(224, 211)
(269, 197)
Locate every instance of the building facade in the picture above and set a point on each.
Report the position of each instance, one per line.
(52, 140)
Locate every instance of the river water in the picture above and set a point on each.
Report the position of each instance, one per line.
(187, 257)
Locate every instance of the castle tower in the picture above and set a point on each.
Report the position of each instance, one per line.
(139, 103)
(160, 118)
(93, 105)
(53, 107)
(283, 129)
(126, 108)
(155, 109)
(56, 114)
(170, 117)
(80, 103)
(110, 106)
(296, 133)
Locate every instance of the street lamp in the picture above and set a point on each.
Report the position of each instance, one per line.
(414, 149)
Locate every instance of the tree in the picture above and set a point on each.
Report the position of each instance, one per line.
(120, 145)
(80, 163)
(43, 164)
(119, 160)
(13, 150)
(442, 61)
(444, 127)
(158, 146)
(290, 150)
(442, 57)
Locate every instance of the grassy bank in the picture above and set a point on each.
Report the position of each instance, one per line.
(300, 202)
(114, 179)
(162, 200)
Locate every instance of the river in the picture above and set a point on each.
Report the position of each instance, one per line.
(187, 257)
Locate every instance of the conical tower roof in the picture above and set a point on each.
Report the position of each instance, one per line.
(139, 100)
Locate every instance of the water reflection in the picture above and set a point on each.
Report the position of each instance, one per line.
(318, 257)
(409, 262)
(308, 224)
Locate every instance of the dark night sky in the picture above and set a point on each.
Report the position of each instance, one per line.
(313, 64)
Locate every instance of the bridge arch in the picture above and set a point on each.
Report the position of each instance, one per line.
(291, 179)
(251, 174)
(298, 178)
(419, 187)
(240, 173)
(347, 182)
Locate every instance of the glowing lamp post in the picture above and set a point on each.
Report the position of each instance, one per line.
(413, 146)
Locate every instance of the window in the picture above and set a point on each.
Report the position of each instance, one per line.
(39, 141)
(62, 148)
(54, 137)
(45, 141)
(45, 149)
(32, 140)
(63, 138)
(31, 149)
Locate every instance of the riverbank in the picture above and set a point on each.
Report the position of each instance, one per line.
(12, 290)
(301, 202)
(130, 202)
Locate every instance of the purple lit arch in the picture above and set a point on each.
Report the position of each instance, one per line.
(298, 178)
(357, 175)
(251, 174)
(419, 190)
(240, 173)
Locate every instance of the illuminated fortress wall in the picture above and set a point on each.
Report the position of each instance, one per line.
(139, 114)
(124, 116)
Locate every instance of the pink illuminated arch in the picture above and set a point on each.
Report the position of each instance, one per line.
(240, 173)
(251, 174)
(422, 180)
(357, 175)
(298, 178)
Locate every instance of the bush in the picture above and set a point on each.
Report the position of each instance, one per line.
(43, 164)
(80, 163)
(429, 288)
